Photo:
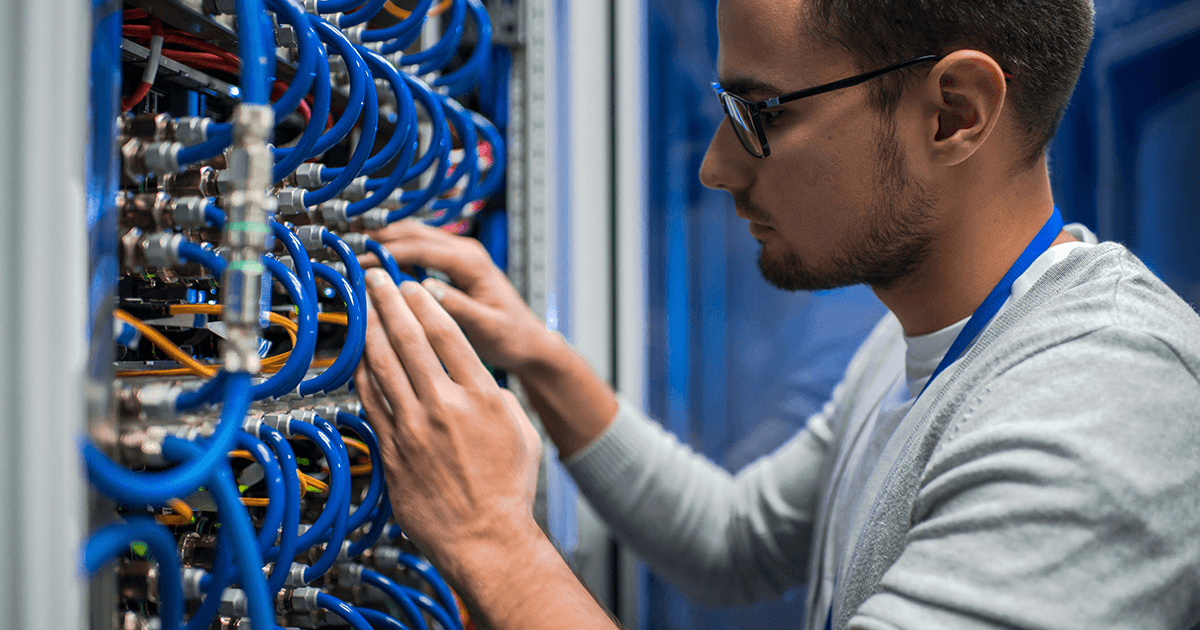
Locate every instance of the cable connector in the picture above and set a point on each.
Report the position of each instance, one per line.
(220, 7)
(308, 175)
(161, 249)
(353, 33)
(328, 412)
(295, 578)
(188, 212)
(374, 219)
(356, 241)
(285, 36)
(291, 201)
(305, 415)
(385, 557)
(310, 236)
(192, 576)
(233, 603)
(287, 261)
(281, 422)
(333, 213)
(356, 190)
(305, 599)
(191, 130)
(349, 574)
(338, 267)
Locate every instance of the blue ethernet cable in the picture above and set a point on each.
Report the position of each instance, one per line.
(414, 200)
(287, 159)
(234, 518)
(343, 366)
(337, 505)
(343, 610)
(354, 272)
(213, 584)
(440, 588)
(375, 488)
(114, 540)
(273, 478)
(468, 166)
(296, 366)
(466, 76)
(154, 488)
(495, 176)
(404, 32)
(306, 66)
(380, 620)
(213, 215)
(325, 7)
(383, 512)
(402, 599)
(191, 252)
(437, 55)
(381, 69)
(387, 261)
(428, 605)
(368, 10)
(283, 554)
(360, 74)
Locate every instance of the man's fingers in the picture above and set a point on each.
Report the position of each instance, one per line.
(465, 310)
(389, 374)
(378, 412)
(413, 243)
(404, 334)
(446, 338)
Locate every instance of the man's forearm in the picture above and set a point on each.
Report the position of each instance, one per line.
(574, 404)
(523, 583)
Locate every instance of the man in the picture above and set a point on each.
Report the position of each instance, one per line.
(1017, 445)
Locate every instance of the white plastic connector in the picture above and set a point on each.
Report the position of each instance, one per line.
(308, 175)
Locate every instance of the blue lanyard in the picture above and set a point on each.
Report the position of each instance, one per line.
(986, 311)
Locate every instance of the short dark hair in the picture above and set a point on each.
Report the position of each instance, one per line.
(1043, 44)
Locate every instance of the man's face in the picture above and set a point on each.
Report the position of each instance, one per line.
(834, 204)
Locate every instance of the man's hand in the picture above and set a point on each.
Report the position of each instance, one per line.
(499, 324)
(461, 460)
(460, 455)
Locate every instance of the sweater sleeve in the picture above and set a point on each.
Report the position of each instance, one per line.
(1065, 495)
(719, 537)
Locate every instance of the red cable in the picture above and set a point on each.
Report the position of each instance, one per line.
(143, 87)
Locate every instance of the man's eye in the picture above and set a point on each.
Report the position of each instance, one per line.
(770, 117)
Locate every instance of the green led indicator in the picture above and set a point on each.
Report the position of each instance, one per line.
(242, 488)
(246, 226)
(140, 548)
(303, 461)
(247, 265)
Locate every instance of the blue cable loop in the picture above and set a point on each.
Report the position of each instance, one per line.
(430, 575)
(154, 488)
(375, 489)
(360, 75)
(384, 187)
(342, 369)
(254, 52)
(409, 26)
(402, 599)
(380, 68)
(191, 252)
(247, 556)
(414, 200)
(378, 525)
(335, 500)
(380, 620)
(428, 605)
(369, 10)
(343, 610)
(469, 165)
(287, 159)
(326, 7)
(291, 513)
(305, 66)
(296, 365)
(387, 261)
(353, 269)
(461, 80)
(214, 215)
(338, 530)
(273, 478)
(114, 540)
(495, 176)
(437, 55)
(208, 392)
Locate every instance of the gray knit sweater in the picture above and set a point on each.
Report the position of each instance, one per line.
(1052, 480)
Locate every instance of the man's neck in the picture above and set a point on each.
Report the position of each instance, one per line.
(979, 244)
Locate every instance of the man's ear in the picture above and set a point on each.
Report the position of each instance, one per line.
(964, 94)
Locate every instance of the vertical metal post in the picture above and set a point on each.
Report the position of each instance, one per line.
(43, 342)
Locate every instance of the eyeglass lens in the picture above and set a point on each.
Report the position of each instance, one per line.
(743, 124)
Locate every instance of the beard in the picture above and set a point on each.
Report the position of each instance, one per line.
(893, 243)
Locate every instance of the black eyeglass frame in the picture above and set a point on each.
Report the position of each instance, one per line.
(755, 107)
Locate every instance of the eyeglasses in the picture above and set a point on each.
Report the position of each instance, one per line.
(744, 115)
